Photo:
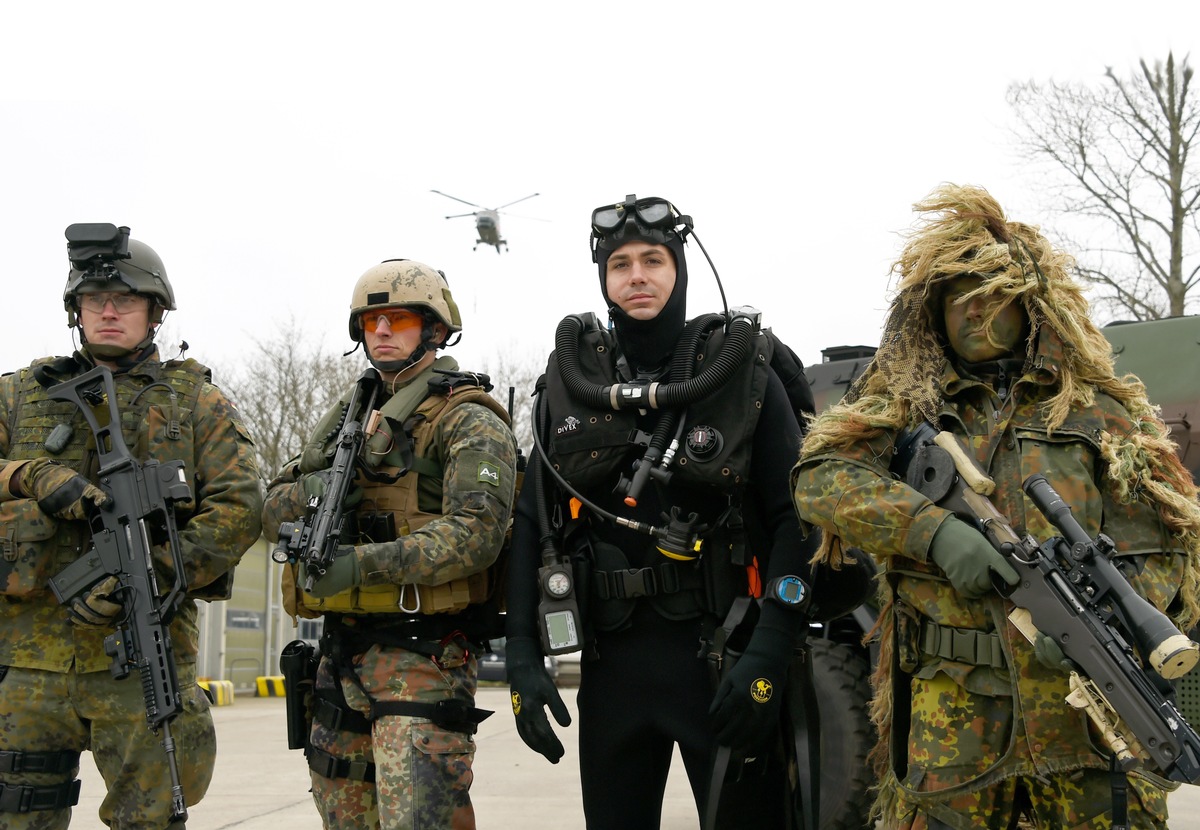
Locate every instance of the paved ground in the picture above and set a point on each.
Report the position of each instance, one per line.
(260, 785)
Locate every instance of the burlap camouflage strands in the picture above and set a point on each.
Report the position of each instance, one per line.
(965, 232)
(1111, 459)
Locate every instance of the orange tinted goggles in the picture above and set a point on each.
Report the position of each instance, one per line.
(397, 319)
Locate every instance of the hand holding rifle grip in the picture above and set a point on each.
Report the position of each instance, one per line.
(314, 539)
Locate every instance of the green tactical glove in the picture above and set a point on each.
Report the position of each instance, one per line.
(313, 485)
(1050, 654)
(532, 691)
(746, 709)
(99, 609)
(341, 575)
(968, 559)
(59, 490)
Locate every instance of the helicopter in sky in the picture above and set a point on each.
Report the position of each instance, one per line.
(487, 221)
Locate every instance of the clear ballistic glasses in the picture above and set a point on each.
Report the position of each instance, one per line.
(397, 319)
(121, 303)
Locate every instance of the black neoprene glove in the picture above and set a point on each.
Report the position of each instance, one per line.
(836, 593)
(745, 711)
(533, 690)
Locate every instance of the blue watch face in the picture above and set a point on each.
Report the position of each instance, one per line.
(790, 590)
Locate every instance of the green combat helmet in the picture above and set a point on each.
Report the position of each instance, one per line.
(104, 258)
(403, 282)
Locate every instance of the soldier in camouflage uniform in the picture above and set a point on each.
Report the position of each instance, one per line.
(391, 741)
(57, 696)
(989, 339)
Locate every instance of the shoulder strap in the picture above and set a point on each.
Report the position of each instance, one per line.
(791, 372)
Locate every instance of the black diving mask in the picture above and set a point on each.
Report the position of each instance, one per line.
(654, 219)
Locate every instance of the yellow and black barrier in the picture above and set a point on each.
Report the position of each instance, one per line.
(269, 686)
(220, 692)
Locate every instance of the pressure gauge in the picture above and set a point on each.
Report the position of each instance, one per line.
(557, 583)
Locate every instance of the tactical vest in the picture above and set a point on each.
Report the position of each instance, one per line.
(591, 448)
(156, 402)
(390, 509)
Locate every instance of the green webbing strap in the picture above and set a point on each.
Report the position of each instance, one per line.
(400, 407)
(962, 645)
(26, 799)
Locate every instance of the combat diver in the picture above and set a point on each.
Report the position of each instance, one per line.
(656, 510)
(391, 742)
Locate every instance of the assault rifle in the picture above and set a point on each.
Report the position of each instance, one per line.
(1070, 590)
(142, 512)
(314, 539)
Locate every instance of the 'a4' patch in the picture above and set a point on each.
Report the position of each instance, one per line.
(489, 473)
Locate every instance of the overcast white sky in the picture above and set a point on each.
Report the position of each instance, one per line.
(271, 152)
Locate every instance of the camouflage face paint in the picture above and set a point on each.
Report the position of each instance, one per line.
(978, 327)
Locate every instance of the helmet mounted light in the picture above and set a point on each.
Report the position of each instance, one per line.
(90, 245)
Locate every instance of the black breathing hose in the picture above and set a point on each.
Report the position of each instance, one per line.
(733, 352)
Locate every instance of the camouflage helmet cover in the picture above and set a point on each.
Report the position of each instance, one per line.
(142, 273)
(403, 282)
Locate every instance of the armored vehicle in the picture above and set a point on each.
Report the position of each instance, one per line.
(1165, 355)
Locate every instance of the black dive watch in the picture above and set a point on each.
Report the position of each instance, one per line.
(791, 592)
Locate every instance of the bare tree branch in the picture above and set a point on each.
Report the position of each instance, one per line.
(1122, 181)
(283, 389)
(509, 371)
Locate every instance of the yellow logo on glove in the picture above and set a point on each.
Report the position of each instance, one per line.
(760, 690)
(516, 703)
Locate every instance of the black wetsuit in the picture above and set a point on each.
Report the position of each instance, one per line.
(650, 688)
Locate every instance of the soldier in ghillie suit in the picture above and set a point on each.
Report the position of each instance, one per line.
(989, 338)
(57, 696)
(405, 602)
